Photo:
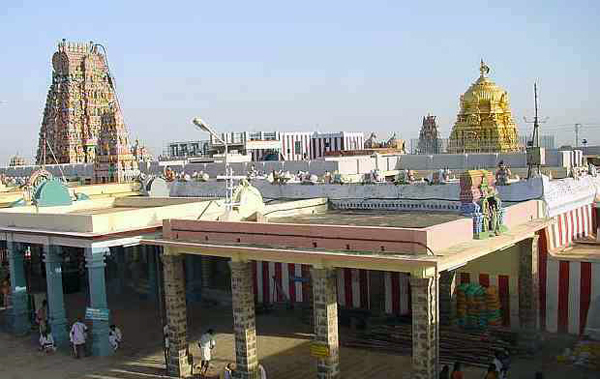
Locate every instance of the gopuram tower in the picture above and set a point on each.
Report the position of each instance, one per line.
(81, 106)
(429, 137)
(484, 123)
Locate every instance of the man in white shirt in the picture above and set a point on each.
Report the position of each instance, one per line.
(206, 344)
(114, 337)
(78, 336)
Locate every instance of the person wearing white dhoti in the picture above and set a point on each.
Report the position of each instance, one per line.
(206, 344)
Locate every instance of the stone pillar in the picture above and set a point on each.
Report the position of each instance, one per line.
(57, 317)
(528, 288)
(19, 298)
(244, 319)
(425, 327)
(95, 264)
(174, 281)
(151, 252)
(447, 297)
(205, 273)
(325, 316)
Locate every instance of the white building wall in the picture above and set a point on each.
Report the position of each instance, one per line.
(291, 140)
(341, 141)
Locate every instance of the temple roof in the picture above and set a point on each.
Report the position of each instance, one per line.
(484, 90)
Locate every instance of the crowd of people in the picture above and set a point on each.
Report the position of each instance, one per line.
(78, 334)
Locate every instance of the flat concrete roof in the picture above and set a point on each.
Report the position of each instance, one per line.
(100, 216)
(394, 219)
(420, 265)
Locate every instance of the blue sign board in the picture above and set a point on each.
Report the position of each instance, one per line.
(99, 314)
(299, 279)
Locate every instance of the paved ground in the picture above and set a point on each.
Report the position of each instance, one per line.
(283, 349)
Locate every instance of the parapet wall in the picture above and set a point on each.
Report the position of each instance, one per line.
(345, 165)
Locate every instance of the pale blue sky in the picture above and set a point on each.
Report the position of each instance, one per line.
(332, 65)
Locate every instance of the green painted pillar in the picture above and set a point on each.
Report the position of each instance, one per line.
(57, 317)
(151, 252)
(95, 264)
(21, 322)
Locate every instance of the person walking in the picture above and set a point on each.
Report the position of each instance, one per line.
(206, 344)
(78, 336)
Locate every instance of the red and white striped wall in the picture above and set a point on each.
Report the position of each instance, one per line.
(567, 288)
(353, 288)
(571, 225)
(275, 282)
(397, 293)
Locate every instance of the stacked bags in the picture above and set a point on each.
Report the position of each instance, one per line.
(477, 306)
(461, 305)
(493, 306)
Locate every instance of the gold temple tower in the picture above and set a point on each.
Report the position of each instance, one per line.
(484, 123)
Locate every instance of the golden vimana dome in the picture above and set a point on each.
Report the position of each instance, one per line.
(484, 123)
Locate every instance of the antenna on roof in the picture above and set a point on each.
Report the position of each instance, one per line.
(535, 153)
